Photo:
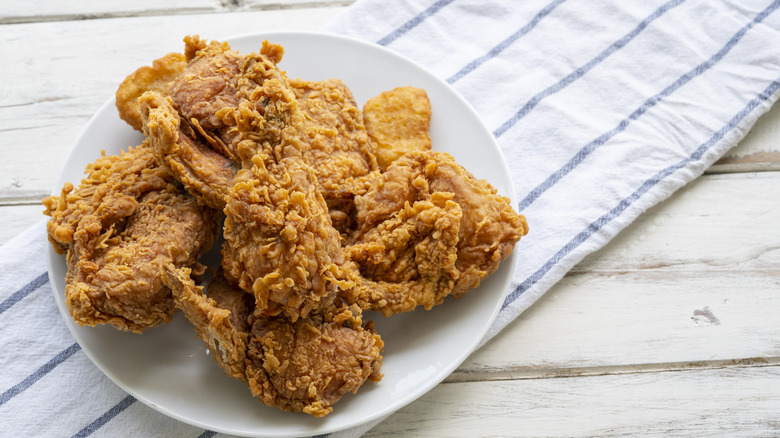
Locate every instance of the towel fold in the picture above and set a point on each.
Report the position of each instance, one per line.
(601, 108)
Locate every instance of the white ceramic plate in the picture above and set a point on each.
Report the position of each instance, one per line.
(169, 369)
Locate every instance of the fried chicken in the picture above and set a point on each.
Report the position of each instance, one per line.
(205, 173)
(126, 220)
(302, 366)
(427, 229)
(327, 212)
(279, 241)
(156, 77)
(218, 93)
(397, 122)
(221, 319)
(338, 145)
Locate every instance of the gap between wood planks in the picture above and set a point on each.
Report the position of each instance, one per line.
(226, 6)
(529, 373)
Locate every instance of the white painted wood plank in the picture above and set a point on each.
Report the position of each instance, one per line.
(712, 249)
(717, 221)
(759, 150)
(731, 402)
(24, 11)
(673, 321)
(55, 75)
(16, 218)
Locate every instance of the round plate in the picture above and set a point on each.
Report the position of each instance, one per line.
(169, 369)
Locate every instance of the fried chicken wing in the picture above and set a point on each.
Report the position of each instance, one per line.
(302, 366)
(429, 227)
(124, 222)
(156, 77)
(397, 122)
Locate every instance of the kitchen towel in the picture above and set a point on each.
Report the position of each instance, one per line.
(601, 108)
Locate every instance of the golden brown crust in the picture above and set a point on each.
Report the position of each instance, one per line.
(205, 173)
(427, 229)
(398, 121)
(220, 319)
(156, 77)
(124, 222)
(308, 365)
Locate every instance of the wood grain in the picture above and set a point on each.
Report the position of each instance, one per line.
(668, 404)
(22, 11)
(48, 97)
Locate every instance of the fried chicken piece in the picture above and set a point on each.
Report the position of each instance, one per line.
(208, 83)
(307, 366)
(338, 149)
(199, 132)
(303, 366)
(124, 222)
(279, 241)
(397, 122)
(408, 260)
(156, 77)
(427, 229)
(218, 92)
(108, 192)
(205, 173)
(338, 143)
(221, 319)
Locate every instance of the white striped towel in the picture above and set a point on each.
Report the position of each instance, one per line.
(602, 108)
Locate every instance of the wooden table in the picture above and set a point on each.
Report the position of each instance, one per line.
(672, 329)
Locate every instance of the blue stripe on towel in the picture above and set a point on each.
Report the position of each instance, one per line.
(583, 153)
(412, 23)
(39, 373)
(565, 82)
(105, 418)
(27, 289)
(471, 66)
(599, 223)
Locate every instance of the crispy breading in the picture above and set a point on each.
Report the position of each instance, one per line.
(427, 229)
(339, 150)
(398, 121)
(221, 319)
(302, 366)
(338, 143)
(156, 77)
(279, 241)
(126, 220)
(205, 173)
